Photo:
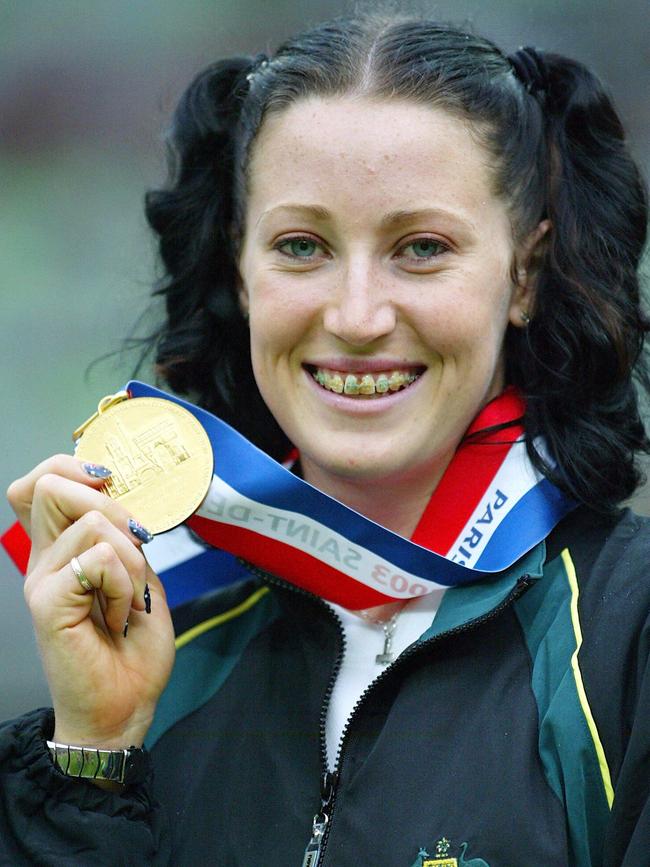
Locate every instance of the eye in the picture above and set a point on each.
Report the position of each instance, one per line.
(422, 249)
(300, 247)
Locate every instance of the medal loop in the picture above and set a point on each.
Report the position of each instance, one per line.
(104, 404)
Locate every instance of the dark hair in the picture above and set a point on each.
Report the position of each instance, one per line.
(559, 153)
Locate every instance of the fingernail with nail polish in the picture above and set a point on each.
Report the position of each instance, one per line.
(126, 628)
(147, 599)
(96, 471)
(139, 531)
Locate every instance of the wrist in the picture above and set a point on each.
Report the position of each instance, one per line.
(71, 731)
(99, 741)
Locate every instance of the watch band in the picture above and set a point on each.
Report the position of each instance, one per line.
(90, 763)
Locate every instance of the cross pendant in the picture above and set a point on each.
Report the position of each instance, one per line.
(386, 656)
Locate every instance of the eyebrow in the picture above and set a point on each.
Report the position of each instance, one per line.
(316, 212)
(397, 218)
(389, 221)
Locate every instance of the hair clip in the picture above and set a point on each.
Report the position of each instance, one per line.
(259, 65)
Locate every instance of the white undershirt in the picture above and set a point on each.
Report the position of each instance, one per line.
(363, 641)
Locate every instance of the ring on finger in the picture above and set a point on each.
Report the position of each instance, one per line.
(80, 575)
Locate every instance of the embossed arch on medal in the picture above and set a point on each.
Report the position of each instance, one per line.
(159, 454)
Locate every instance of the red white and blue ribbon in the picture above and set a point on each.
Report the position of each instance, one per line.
(489, 509)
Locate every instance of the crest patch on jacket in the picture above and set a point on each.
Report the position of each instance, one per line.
(444, 857)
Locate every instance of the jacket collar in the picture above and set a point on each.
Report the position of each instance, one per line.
(462, 604)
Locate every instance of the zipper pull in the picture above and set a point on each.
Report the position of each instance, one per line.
(313, 850)
(327, 783)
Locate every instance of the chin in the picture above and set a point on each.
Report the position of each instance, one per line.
(377, 467)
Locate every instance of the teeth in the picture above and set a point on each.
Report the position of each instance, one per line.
(367, 385)
(349, 383)
(381, 383)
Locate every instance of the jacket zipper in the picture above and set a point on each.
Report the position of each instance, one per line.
(320, 824)
(328, 779)
(403, 660)
(322, 821)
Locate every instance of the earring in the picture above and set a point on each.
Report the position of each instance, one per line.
(525, 317)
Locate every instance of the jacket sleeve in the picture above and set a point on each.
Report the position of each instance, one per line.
(628, 841)
(52, 820)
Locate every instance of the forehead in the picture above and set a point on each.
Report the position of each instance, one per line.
(386, 152)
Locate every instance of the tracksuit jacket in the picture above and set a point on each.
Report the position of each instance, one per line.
(514, 733)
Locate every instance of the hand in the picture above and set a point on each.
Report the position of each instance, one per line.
(104, 685)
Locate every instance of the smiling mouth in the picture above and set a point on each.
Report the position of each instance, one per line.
(365, 384)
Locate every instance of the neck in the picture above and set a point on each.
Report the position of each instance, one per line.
(395, 503)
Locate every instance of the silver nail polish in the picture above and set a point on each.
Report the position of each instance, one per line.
(140, 532)
(96, 471)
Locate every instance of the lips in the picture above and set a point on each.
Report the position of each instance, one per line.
(365, 383)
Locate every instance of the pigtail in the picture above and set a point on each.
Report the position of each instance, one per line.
(587, 335)
(202, 349)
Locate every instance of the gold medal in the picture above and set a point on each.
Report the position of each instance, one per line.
(159, 454)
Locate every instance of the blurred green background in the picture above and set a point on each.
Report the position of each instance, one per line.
(86, 89)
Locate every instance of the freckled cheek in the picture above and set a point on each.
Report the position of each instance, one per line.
(270, 373)
(283, 293)
(278, 332)
(464, 336)
(449, 330)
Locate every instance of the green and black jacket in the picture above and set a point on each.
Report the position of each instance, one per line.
(515, 733)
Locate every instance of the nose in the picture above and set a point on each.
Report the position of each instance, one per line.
(359, 310)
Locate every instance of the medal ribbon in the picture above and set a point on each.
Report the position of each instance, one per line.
(489, 509)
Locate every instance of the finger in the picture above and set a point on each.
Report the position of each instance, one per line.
(21, 492)
(59, 502)
(81, 576)
(106, 572)
(63, 601)
(91, 529)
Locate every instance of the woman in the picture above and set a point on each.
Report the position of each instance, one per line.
(415, 230)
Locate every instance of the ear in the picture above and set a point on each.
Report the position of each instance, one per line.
(242, 296)
(242, 291)
(527, 259)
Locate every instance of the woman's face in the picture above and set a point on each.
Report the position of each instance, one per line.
(376, 268)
